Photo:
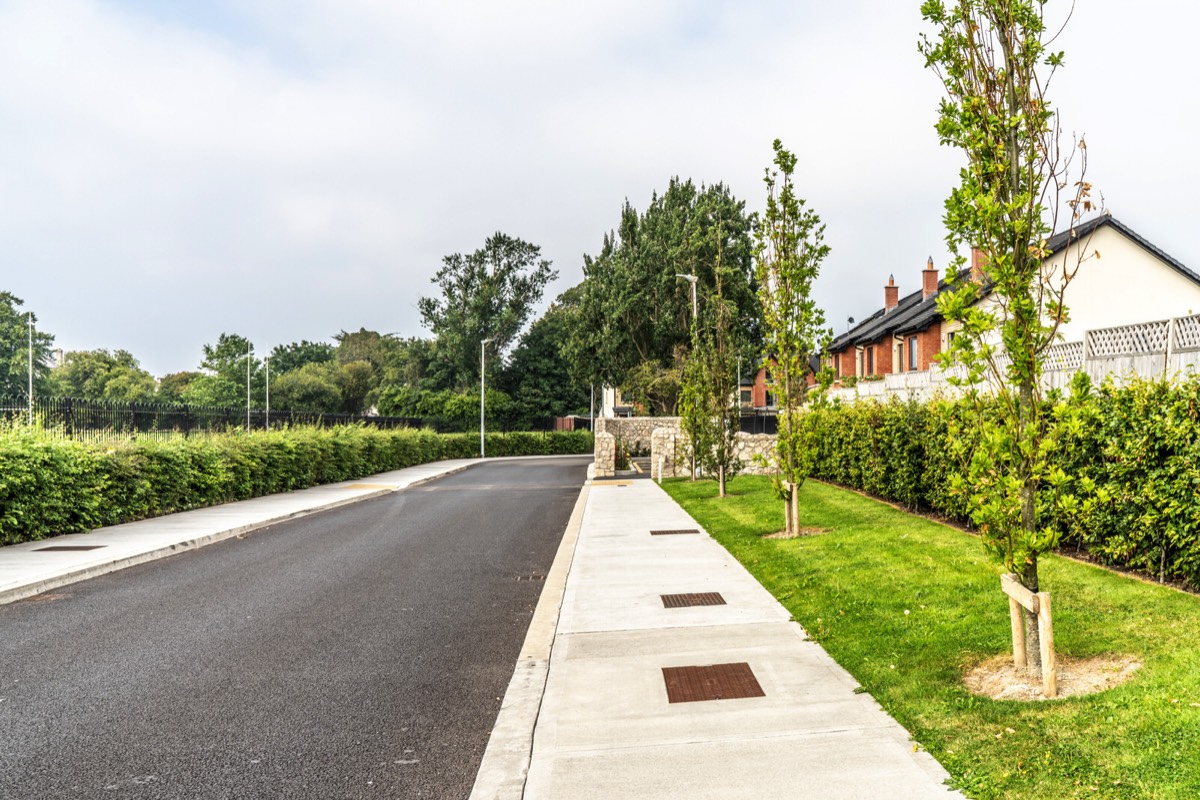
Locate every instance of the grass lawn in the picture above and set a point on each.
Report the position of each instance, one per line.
(907, 605)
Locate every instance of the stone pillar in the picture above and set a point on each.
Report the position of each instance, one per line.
(605, 455)
(662, 452)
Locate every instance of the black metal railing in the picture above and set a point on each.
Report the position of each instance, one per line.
(760, 422)
(94, 420)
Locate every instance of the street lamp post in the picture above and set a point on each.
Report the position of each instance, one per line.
(482, 375)
(31, 368)
(267, 361)
(692, 280)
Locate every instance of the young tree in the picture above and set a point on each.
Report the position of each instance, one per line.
(709, 408)
(1015, 192)
(789, 248)
(489, 294)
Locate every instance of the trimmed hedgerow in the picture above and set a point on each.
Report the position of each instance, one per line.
(51, 486)
(1131, 455)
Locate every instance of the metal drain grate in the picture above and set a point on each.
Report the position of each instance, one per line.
(715, 682)
(673, 532)
(68, 548)
(692, 599)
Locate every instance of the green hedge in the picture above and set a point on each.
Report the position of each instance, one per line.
(1132, 454)
(51, 486)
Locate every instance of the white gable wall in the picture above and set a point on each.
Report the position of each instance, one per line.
(1126, 285)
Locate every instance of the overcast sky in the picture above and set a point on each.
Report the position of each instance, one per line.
(286, 169)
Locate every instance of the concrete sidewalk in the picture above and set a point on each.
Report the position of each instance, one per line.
(588, 714)
(32, 568)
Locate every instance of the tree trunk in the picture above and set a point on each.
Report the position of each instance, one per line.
(1033, 637)
(795, 504)
(1029, 571)
(721, 480)
(788, 525)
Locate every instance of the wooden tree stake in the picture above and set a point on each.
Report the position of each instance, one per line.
(1021, 598)
(1018, 632)
(1046, 628)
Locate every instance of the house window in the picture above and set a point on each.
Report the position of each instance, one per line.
(870, 360)
(912, 353)
(770, 400)
(745, 397)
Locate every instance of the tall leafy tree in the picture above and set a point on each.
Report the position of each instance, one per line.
(1016, 191)
(172, 388)
(288, 357)
(311, 387)
(633, 310)
(488, 294)
(223, 374)
(538, 377)
(15, 350)
(379, 350)
(789, 249)
(101, 375)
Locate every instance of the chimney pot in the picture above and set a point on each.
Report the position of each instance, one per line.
(891, 294)
(929, 280)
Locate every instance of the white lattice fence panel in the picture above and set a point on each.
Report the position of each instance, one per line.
(1148, 337)
(1065, 356)
(1187, 333)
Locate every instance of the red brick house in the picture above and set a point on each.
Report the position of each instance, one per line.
(906, 334)
(903, 336)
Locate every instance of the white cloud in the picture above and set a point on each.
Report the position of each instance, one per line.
(286, 169)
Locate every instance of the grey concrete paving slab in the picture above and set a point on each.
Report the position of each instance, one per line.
(31, 568)
(854, 765)
(606, 728)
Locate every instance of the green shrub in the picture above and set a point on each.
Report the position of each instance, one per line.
(51, 486)
(1131, 456)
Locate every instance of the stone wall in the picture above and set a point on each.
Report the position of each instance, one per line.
(636, 433)
(750, 446)
(662, 438)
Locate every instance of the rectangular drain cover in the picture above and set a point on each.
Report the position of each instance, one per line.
(692, 599)
(715, 682)
(673, 532)
(68, 548)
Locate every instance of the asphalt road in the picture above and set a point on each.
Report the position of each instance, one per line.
(360, 652)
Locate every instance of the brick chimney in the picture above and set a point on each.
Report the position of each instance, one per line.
(929, 280)
(891, 294)
(978, 259)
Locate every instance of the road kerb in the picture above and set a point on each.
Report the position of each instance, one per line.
(505, 763)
